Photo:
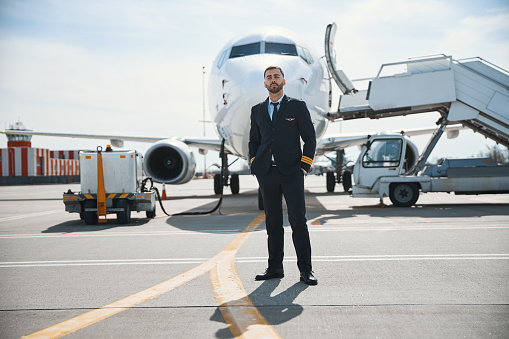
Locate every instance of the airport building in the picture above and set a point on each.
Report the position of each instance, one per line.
(21, 163)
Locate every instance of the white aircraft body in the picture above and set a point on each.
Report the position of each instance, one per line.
(235, 85)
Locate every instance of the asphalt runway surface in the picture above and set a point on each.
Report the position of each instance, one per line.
(436, 270)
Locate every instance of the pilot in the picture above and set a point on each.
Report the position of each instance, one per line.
(279, 162)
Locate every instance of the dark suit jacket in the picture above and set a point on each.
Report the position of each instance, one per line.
(281, 138)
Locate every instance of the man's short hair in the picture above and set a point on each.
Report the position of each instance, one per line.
(273, 67)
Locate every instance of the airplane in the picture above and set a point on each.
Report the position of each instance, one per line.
(235, 85)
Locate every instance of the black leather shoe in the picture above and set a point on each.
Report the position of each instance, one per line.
(308, 278)
(271, 273)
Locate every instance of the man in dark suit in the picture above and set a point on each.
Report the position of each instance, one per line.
(279, 162)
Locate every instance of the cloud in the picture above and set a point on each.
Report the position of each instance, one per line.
(485, 35)
(68, 81)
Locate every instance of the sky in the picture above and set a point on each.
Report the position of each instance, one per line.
(136, 67)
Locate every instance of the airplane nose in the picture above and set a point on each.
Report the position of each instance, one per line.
(252, 80)
(253, 85)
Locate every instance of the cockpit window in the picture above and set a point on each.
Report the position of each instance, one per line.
(305, 55)
(222, 59)
(268, 48)
(249, 49)
(277, 48)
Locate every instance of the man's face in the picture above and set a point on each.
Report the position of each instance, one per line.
(274, 81)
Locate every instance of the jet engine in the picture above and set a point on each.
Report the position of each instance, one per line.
(170, 161)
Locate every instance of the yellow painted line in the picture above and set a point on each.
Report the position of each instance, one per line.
(219, 261)
(89, 196)
(427, 220)
(112, 195)
(316, 222)
(243, 318)
(124, 195)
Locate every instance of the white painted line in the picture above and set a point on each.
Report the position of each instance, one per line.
(184, 261)
(22, 216)
(400, 228)
(313, 228)
(115, 234)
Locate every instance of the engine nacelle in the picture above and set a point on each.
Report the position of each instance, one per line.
(170, 161)
(411, 154)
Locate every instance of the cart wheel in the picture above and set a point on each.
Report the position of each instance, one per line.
(151, 214)
(331, 181)
(90, 217)
(234, 184)
(404, 194)
(124, 216)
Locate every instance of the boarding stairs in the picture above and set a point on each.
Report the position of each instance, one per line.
(472, 92)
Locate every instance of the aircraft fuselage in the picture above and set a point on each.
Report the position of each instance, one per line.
(236, 82)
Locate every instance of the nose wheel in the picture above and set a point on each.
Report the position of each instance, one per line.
(224, 178)
(345, 179)
(232, 181)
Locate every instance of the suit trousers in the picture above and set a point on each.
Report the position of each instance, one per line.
(274, 185)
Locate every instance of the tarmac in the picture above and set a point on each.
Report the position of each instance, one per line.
(437, 270)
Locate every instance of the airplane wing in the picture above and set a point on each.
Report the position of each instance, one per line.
(118, 140)
(83, 136)
(208, 144)
(344, 140)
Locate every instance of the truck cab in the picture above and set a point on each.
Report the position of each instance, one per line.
(380, 170)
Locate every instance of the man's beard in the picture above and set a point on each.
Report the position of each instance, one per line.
(275, 89)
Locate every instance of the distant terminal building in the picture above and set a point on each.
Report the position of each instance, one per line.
(20, 163)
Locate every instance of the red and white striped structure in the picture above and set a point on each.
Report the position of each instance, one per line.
(27, 161)
(65, 154)
(19, 159)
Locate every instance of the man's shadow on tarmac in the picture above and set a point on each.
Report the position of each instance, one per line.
(276, 309)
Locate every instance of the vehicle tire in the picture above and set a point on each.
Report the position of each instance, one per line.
(234, 184)
(124, 216)
(347, 180)
(151, 214)
(331, 181)
(260, 200)
(90, 217)
(404, 194)
(217, 183)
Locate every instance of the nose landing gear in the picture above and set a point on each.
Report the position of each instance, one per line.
(224, 178)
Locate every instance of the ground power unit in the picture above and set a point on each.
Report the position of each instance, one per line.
(112, 182)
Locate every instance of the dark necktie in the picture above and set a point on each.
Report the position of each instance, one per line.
(275, 110)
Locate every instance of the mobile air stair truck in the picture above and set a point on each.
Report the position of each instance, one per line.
(111, 182)
(471, 92)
